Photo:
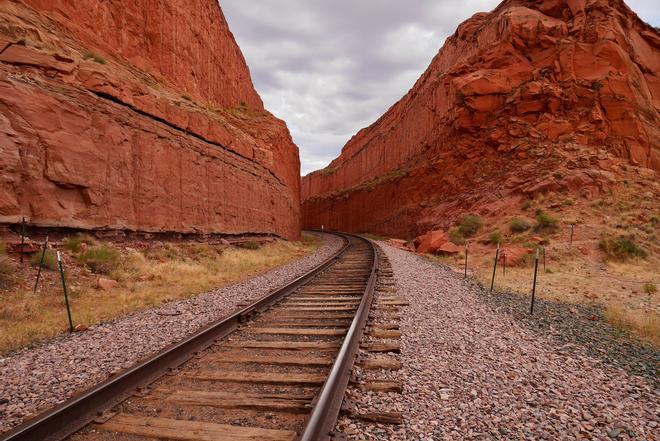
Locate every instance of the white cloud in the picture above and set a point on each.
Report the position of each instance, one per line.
(330, 68)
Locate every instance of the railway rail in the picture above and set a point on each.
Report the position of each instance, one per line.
(276, 370)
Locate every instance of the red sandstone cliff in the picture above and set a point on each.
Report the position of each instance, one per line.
(536, 96)
(137, 115)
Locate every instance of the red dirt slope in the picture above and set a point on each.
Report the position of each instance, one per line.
(533, 97)
(138, 116)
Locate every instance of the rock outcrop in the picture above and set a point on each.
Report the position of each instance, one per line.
(139, 116)
(536, 96)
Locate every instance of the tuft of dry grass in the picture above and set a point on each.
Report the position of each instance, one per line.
(7, 267)
(645, 325)
(146, 278)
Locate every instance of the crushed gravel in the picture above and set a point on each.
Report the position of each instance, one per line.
(40, 377)
(475, 370)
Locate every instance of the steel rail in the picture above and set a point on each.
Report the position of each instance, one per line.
(321, 422)
(67, 418)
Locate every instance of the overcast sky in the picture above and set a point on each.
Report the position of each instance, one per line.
(332, 67)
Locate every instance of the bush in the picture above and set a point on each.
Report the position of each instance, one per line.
(101, 259)
(650, 288)
(495, 237)
(74, 244)
(470, 225)
(456, 237)
(519, 225)
(526, 205)
(95, 57)
(545, 222)
(620, 248)
(250, 245)
(50, 259)
(6, 266)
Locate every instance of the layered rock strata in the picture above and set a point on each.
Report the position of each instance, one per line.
(535, 96)
(138, 116)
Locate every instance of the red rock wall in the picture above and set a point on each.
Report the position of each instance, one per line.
(185, 43)
(135, 141)
(512, 99)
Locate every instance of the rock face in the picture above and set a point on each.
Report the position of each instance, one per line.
(139, 116)
(536, 96)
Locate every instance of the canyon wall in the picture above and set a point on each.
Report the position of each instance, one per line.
(137, 115)
(535, 96)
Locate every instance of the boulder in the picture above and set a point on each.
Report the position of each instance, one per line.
(448, 249)
(105, 284)
(431, 241)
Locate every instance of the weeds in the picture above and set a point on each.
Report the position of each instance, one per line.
(519, 225)
(495, 237)
(74, 244)
(644, 324)
(50, 259)
(470, 225)
(250, 245)
(526, 205)
(620, 248)
(94, 57)
(545, 222)
(650, 288)
(101, 259)
(456, 237)
(6, 267)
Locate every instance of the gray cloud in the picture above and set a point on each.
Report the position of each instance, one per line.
(330, 68)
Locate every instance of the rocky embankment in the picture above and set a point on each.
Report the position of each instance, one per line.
(119, 115)
(531, 98)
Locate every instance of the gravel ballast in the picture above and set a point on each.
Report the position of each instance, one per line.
(40, 377)
(471, 371)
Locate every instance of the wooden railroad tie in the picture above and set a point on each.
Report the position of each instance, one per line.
(165, 428)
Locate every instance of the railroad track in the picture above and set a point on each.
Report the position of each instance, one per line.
(276, 370)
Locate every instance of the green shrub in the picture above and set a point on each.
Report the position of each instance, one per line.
(545, 222)
(74, 244)
(6, 267)
(470, 225)
(650, 288)
(50, 259)
(620, 248)
(526, 205)
(495, 237)
(95, 57)
(519, 225)
(456, 237)
(250, 245)
(101, 259)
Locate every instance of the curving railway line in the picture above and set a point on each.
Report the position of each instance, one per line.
(276, 370)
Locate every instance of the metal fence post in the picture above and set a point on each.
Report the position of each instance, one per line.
(497, 256)
(536, 266)
(41, 263)
(66, 296)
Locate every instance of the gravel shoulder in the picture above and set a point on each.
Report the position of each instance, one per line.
(40, 377)
(474, 368)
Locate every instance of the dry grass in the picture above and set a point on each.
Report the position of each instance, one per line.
(645, 325)
(146, 279)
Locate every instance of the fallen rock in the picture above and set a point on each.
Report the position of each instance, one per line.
(431, 241)
(448, 249)
(105, 284)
